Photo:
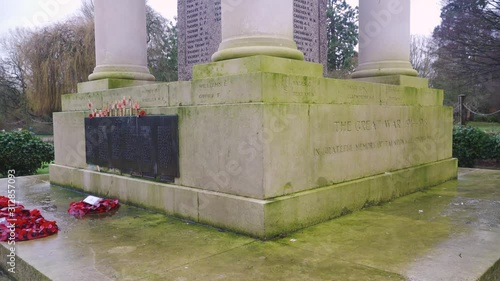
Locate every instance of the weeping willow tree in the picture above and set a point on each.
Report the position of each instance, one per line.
(55, 59)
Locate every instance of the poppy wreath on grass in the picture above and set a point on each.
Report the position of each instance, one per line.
(80, 208)
(25, 224)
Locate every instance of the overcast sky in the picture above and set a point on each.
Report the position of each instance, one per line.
(32, 13)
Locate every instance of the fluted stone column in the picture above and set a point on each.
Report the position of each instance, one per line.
(257, 27)
(384, 38)
(120, 40)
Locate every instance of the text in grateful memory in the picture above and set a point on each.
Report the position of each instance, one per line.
(364, 146)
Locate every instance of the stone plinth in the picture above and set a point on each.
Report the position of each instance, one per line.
(199, 26)
(263, 152)
(402, 80)
(108, 84)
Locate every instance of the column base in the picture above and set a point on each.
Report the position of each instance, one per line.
(257, 64)
(131, 72)
(384, 68)
(251, 46)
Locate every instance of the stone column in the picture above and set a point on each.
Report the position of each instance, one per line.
(384, 38)
(120, 40)
(257, 27)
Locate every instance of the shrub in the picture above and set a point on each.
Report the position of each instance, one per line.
(496, 150)
(23, 152)
(470, 144)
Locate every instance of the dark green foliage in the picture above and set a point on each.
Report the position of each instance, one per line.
(470, 144)
(23, 152)
(162, 46)
(490, 118)
(468, 53)
(496, 144)
(342, 36)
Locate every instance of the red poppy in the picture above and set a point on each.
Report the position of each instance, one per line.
(142, 113)
(80, 208)
(91, 115)
(28, 224)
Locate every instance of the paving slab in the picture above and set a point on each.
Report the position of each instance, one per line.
(449, 232)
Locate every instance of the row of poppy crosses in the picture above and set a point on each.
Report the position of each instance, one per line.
(124, 107)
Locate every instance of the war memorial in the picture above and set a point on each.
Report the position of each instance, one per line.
(256, 140)
(266, 169)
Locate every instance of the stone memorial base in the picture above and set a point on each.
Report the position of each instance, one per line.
(268, 146)
(108, 84)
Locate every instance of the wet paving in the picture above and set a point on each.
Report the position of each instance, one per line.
(449, 232)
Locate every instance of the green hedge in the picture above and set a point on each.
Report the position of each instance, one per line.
(23, 152)
(471, 144)
(496, 143)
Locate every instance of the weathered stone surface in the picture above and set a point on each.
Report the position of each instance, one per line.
(219, 148)
(258, 140)
(239, 141)
(108, 84)
(200, 31)
(262, 218)
(228, 89)
(149, 95)
(263, 80)
(256, 150)
(180, 93)
(257, 64)
(79, 102)
(69, 139)
(401, 80)
(352, 142)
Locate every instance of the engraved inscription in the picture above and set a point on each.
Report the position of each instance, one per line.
(212, 89)
(349, 127)
(306, 26)
(298, 87)
(361, 93)
(146, 149)
(102, 145)
(197, 32)
(164, 151)
(146, 146)
(115, 143)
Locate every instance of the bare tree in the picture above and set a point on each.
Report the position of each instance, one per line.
(13, 105)
(44, 64)
(422, 55)
(87, 9)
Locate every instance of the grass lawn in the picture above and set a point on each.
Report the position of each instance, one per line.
(486, 126)
(43, 170)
